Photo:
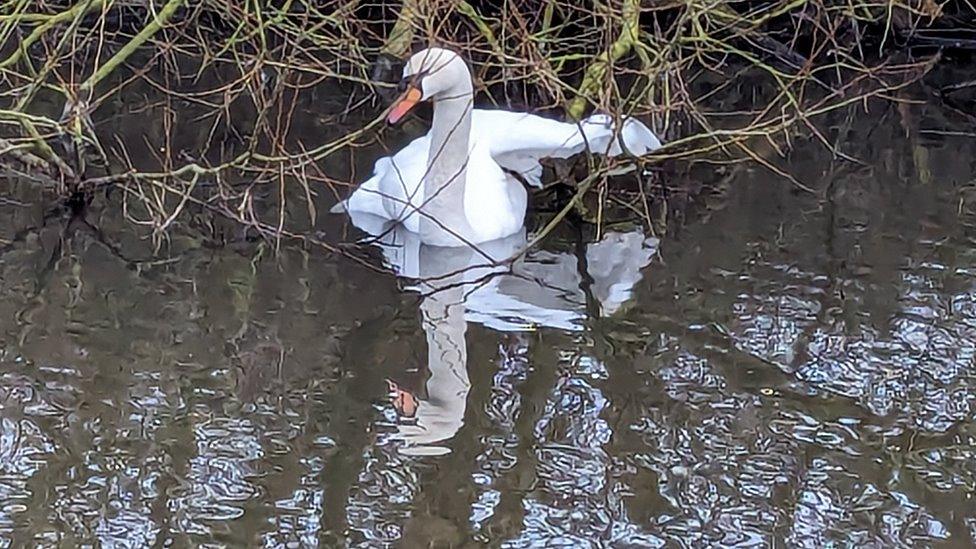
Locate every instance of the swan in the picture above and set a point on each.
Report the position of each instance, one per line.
(460, 183)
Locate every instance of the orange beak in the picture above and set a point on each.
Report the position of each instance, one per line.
(403, 105)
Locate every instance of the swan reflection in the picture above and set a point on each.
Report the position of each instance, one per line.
(482, 285)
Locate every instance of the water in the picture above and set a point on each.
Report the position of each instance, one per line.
(781, 368)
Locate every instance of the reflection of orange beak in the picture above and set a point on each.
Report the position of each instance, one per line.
(403, 105)
(403, 401)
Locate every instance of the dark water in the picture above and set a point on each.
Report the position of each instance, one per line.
(783, 369)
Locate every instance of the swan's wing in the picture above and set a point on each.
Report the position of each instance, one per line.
(634, 137)
(494, 203)
(394, 189)
(518, 141)
(508, 132)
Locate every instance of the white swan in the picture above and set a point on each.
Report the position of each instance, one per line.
(456, 174)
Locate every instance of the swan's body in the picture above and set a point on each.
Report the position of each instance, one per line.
(453, 186)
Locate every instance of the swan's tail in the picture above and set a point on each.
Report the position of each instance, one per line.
(634, 137)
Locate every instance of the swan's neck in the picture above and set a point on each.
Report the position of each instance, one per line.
(446, 169)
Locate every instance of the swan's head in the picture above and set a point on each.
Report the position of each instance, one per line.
(432, 74)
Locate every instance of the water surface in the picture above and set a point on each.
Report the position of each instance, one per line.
(780, 368)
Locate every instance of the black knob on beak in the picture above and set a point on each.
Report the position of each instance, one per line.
(402, 85)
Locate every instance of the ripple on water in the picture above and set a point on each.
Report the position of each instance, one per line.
(920, 360)
(221, 475)
(24, 448)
